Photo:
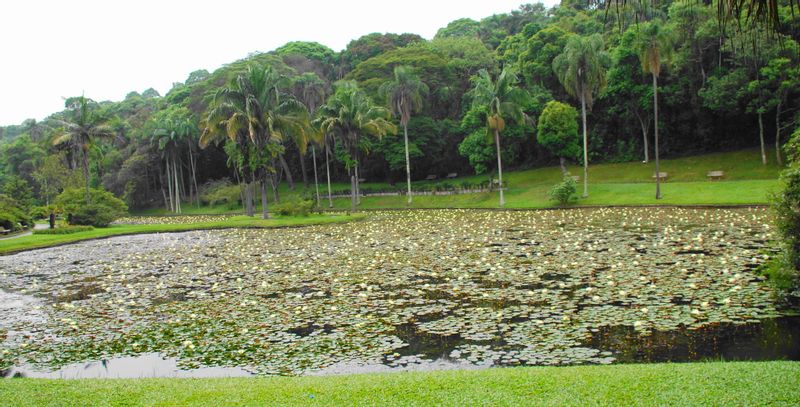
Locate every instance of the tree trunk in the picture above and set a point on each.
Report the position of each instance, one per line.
(585, 149)
(761, 137)
(303, 167)
(358, 191)
(328, 172)
(778, 157)
(408, 164)
(275, 184)
(285, 167)
(264, 205)
(563, 163)
(177, 186)
(655, 133)
(86, 180)
(316, 180)
(353, 182)
(169, 187)
(644, 138)
(194, 178)
(499, 168)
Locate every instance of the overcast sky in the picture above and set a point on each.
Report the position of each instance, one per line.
(55, 49)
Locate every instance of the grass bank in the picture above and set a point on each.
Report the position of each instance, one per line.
(712, 383)
(39, 241)
(746, 181)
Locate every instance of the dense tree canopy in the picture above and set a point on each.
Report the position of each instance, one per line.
(728, 84)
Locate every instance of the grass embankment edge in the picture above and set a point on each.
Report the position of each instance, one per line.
(31, 242)
(704, 383)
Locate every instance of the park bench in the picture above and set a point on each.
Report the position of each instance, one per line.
(576, 177)
(715, 175)
(452, 175)
(431, 177)
(4, 231)
(662, 175)
(362, 180)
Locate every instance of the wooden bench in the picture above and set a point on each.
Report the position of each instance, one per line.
(431, 177)
(452, 175)
(362, 180)
(577, 178)
(715, 175)
(4, 231)
(662, 175)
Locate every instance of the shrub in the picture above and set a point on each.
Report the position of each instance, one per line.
(12, 216)
(220, 191)
(564, 192)
(66, 230)
(294, 207)
(787, 208)
(103, 209)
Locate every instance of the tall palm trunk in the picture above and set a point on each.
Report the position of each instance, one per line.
(86, 180)
(644, 126)
(285, 167)
(303, 170)
(194, 177)
(316, 180)
(778, 157)
(585, 149)
(264, 204)
(761, 137)
(655, 131)
(328, 172)
(408, 163)
(499, 168)
(177, 186)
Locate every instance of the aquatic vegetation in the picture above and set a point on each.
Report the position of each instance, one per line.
(400, 288)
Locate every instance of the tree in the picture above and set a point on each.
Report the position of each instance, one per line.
(581, 69)
(51, 176)
(779, 80)
(351, 114)
(18, 188)
(174, 128)
(80, 131)
(404, 95)
(501, 100)
(310, 89)
(654, 46)
(256, 106)
(557, 131)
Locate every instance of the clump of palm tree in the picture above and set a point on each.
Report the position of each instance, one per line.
(82, 127)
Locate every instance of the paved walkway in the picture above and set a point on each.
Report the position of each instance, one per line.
(37, 226)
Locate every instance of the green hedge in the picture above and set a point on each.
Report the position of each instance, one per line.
(65, 230)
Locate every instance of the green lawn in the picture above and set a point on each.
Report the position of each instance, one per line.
(39, 241)
(747, 181)
(690, 384)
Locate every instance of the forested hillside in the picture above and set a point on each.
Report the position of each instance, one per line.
(269, 117)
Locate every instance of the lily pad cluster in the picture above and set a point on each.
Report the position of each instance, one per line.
(400, 288)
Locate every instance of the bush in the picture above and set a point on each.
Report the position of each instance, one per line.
(66, 230)
(220, 191)
(103, 209)
(12, 216)
(787, 208)
(564, 192)
(294, 207)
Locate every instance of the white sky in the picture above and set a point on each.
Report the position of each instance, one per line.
(104, 49)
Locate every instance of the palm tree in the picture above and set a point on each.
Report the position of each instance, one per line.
(349, 114)
(174, 127)
(581, 69)
(654, 46)
(404, 96)
(257, 105)
(310, 89)
(80, 131)
(501, 100)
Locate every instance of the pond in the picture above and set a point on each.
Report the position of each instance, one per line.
(408, 290)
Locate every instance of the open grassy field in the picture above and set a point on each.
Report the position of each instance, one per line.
(36, 241)
(746, 181)
(691, 384)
